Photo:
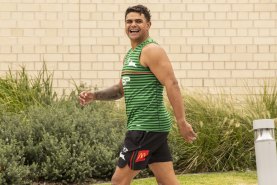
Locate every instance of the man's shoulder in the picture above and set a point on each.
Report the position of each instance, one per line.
(152, 47)
(151, 53)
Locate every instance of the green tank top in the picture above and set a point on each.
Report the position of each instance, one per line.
(143, 94)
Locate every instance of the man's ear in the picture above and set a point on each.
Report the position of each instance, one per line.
(149, 24)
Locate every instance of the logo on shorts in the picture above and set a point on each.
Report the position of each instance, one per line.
(125, 149)
(142, 155)
(122, 154)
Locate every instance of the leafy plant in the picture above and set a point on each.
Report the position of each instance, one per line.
(12, 168)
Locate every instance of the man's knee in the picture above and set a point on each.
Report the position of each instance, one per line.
(159, 182)
(119, 179)
(115, 180)
(123, 176)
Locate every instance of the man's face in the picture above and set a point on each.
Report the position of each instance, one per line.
(136, 26)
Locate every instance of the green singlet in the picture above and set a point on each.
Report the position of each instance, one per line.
(143, 94)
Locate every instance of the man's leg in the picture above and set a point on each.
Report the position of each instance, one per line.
(123, 176)
(164, 173)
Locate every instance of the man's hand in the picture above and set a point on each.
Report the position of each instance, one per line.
(186, 131)
(86, 97)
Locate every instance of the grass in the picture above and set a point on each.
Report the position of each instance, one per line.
(226, 178)
(225, 138)
(18, 90)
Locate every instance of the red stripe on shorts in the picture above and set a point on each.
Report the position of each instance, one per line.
(131, 159)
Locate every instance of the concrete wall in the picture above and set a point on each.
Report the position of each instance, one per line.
(214, 45)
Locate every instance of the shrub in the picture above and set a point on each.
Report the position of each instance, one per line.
(63, 142)
(12, 168)
(77, 143)
(54, 139)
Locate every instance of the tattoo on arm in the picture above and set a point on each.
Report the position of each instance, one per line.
(111, 93)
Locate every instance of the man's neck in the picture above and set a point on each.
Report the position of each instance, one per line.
(135, 43)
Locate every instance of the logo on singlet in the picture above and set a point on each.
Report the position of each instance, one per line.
(131, 63)
(125, 80)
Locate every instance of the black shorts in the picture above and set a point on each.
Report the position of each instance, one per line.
(142, 148)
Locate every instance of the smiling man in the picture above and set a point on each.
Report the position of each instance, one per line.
(146, 72)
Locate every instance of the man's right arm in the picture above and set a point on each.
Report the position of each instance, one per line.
(112, 93)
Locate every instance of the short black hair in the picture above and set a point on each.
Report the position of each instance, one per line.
(141, 10)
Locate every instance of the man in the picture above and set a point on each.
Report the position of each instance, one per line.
(146, 71)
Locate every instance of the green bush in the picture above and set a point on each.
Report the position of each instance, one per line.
(78, 143)
(63, 142)
(12, 168)
(45, 138)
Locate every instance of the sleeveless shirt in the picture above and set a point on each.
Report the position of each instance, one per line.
(143, 94)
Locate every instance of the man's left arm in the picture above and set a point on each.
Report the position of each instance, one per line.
(154, 57)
